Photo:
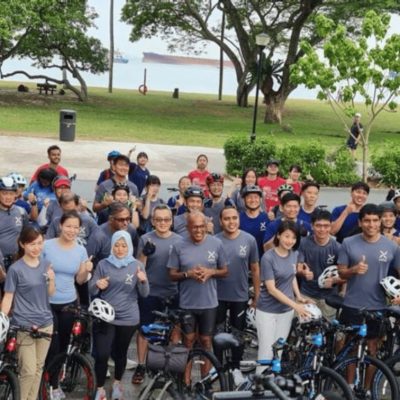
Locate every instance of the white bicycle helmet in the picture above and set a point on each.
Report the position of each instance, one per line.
(391, 286)
(396, 195)
(102, 310)
(18, 178)
(330, 272)
(4, 325)
(251, 317)
(314, 311)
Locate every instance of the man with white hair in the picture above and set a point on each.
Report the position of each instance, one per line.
(356, 131)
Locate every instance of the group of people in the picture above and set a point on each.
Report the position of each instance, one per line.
(200, 250)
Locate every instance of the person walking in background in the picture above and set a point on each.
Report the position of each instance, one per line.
(356, 132)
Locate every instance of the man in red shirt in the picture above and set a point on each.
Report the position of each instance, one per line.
(54, 155)
(270, 184)
(199, 175)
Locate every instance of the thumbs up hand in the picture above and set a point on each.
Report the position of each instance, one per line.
(362, 267)
(50, 273)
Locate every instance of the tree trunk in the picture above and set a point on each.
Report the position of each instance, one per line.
(365, 144)
(242, 94)
(275, 104)
(111, 54)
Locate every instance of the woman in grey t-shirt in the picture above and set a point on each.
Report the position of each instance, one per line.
(29, 283)
(279, 291)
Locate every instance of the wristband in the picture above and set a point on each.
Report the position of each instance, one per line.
(33, 203)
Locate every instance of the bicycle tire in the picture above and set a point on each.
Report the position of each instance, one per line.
(154, 393)
(328, 383)
(76, 374)
(214, 381)
(9, 385)
(383, 386)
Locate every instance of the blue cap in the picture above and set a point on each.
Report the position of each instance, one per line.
(112, 154)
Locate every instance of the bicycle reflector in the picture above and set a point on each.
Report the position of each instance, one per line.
(11, 345)
(77, 328)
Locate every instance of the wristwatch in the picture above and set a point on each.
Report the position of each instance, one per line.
(33, 203)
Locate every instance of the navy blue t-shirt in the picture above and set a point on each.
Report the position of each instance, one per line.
(138, 176)
(256, 227)
(350, 224)
(272, 229)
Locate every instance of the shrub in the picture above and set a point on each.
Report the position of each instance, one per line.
(386, 163)
(336, 169)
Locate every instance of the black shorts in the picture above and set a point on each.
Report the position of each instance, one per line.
(351, 316)
(203, 320)
(351, 143)
(152, 303)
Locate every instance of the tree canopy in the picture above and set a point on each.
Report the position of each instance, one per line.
(188, 25)
(366, 68)
(54, 35)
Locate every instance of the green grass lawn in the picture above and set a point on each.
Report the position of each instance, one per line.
(193, 119)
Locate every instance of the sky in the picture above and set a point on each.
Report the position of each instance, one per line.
(122, 31)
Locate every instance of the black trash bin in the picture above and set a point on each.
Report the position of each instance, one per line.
(67, 125)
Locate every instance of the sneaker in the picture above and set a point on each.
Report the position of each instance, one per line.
(111, 363)
(57, 394)
(117, 392)
(138, 376)
(368, 395)
(130, 364)
(108, 373)
(238, 377)
(101, 394)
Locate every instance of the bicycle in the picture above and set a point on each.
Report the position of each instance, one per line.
(167, 380)
(72, 370)
(383, 383)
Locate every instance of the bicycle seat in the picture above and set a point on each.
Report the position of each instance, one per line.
(334, 301)
(224, 341)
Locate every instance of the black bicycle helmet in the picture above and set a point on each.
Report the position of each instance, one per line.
(251, 189)
(193, 191)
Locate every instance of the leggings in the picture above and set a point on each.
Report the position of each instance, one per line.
(237, 318)
(109, 338)
(63, 322)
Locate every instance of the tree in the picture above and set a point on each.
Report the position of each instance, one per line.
(53, 34)
(365, 67)
(187, 25)
(111, 52)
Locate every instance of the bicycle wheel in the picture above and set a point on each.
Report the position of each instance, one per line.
(204, 383)
(75, 375)
(383, 382)
(326, 383)
(9, 385)
(161, 389)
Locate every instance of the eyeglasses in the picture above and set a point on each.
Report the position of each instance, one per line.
(159, 220)
(128, 219)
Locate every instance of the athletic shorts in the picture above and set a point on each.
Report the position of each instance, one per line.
(351, 143)
(351, 316)
(203, 320)
(153, 303)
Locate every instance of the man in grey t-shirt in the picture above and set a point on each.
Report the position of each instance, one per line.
(365, 259)
(197, 263)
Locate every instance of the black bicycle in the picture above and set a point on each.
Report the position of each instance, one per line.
(72, 370)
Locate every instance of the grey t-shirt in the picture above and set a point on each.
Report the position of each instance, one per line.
(31, 301)
(214, 212)
(156, 264)
(87, 228)
(365, 290)
(283, 271)
(241, 252)
(122, 291)
(318, 258)
(107, 187)
(11, 223)
(180, 225)
(186, 255)
(53, 211)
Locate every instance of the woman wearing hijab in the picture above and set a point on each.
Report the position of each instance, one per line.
(118, 279)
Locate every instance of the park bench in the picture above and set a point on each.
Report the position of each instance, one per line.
(46, 88)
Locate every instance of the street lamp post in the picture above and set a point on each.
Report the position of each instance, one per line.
(262, 41)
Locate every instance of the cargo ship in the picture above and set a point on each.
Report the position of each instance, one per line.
(182, 60)
(119, 58)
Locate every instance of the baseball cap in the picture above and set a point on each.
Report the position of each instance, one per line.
(357, 115)
(272, 161)
(112, 154)
(61, 182)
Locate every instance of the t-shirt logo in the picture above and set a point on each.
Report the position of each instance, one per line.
(129, 279)
(331, 259)
(243, 250)
(263, 226)
(382, 256)
(18, 221)
(211, 256)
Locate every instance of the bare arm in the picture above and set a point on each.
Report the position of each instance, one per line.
(84, 270)
(7, 302)
(255, 276)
